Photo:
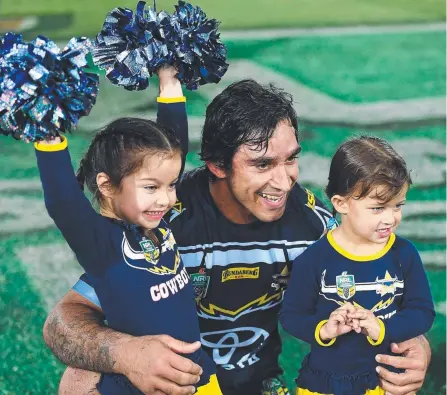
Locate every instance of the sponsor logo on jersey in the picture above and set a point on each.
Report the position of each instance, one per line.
(240, 273)
(225, 344)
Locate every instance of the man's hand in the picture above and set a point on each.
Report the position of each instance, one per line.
(415, 360)
(153, 365)
(76, 334)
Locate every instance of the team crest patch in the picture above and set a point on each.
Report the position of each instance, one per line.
(151, 252)
(168, 239)
(387, 284)
(345, 285)
(200, 282)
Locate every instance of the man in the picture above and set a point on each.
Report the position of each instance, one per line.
(239, 223)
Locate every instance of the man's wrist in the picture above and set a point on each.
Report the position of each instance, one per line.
(119, 353)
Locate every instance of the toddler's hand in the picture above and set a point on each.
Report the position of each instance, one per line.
(338, 323)
(365, 321)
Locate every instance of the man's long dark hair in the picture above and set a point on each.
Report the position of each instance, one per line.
(244, 113)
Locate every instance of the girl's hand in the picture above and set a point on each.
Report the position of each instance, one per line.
(166, 73)
(169, 85)
(56, 140)
(338, 324)
(367, 322)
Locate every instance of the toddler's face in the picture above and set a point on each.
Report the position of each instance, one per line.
(372, 219)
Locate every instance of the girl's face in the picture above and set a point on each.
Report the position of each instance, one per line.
(368, 219)
(146, 195)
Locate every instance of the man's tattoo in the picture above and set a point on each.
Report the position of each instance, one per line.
(80, 339)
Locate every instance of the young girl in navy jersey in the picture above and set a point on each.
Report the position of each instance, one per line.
(361, 287)
(127, 250)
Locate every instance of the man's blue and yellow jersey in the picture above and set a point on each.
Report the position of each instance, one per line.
(391, 283)
(143, 288)
(232, 269)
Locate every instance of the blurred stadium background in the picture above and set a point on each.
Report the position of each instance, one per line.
(353, 66)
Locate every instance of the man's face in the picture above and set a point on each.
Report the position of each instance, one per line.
(260, 181)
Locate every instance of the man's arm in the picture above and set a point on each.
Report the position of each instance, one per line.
(416, 355)
(75, 332)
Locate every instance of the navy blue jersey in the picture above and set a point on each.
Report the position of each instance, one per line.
(143, 289)
(392, 284)
(232, 267)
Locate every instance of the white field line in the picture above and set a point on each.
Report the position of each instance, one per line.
(53, 269)
(315, 106)
(269, 34)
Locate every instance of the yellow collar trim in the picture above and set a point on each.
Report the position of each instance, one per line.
(361, 258)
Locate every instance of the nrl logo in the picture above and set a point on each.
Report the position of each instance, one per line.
(151, 252)
(200, 283)
(345, 285)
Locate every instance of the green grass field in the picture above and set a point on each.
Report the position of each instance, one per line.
(88, 15)
(389, 84)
